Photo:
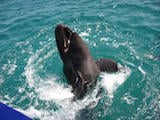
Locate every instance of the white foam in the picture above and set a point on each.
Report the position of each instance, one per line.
(10, 67)
(32, 112)
(133, 52)
(149, 56)
(50, 90)
(142, 71)
(105, 39)
(116, 45)
(67, 111)
(84, 34)
(29, 73)
(129, 99)
(20, 90)
(49, 54)
(112, 81)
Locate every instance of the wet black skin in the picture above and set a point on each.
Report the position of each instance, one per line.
(79, 67)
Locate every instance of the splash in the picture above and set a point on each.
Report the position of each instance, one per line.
(49, 90)
(112, 81)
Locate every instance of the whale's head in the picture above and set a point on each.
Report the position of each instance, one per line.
(68, 42)
(63, 35)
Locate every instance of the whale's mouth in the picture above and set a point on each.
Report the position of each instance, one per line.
(68, 34)
(63, 37)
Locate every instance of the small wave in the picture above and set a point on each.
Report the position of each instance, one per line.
(150, 56)
(141, 70)
(129, 99)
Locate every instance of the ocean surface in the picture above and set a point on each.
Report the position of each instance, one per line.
(31, 76)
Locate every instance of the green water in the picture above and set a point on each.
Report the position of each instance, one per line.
(31, 77)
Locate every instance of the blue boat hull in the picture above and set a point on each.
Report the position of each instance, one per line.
(8, 113)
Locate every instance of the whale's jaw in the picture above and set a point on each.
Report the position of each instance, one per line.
(63, 35)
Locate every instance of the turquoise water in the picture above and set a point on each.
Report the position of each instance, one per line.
(31, 77)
